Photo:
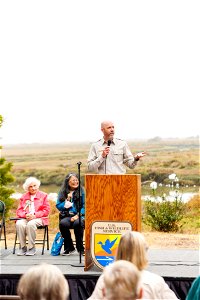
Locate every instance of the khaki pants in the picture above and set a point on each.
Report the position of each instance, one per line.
(27, 228)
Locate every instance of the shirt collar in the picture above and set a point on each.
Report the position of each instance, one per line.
(103, 142)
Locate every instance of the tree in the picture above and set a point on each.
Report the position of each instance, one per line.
(5, 179)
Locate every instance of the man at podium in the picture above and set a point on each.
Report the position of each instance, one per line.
(110, 155)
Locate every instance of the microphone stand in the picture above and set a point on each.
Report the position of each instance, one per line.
(79, 213)
(109, 143)
(105, 163)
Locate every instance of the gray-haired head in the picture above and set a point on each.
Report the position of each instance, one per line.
(43, 282)
(122, 281)
(29, 181)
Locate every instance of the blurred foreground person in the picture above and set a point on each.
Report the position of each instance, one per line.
(121, 281)
(43, 282)
(194, 291)
(33, 210)
(132, 247)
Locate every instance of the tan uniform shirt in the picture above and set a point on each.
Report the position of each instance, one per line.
(119, 156)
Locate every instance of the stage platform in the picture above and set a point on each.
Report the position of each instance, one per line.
(178, 267)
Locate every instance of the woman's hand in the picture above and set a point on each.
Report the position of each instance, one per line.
(30, 217)
(69, 196)
(74, 218)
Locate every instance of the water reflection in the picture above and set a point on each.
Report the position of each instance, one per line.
(185, 197)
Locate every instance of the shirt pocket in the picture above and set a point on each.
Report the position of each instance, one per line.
(118, 155)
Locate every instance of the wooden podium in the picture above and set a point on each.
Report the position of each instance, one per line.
(111, 198)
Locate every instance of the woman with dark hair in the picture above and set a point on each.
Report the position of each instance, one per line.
(68, 205)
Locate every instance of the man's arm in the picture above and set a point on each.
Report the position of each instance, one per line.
(129, 159)
(94, 160)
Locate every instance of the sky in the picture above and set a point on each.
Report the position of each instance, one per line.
(66, 66)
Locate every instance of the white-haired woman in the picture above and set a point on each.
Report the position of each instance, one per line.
(33, 211)
(43, 282)
(122, 281)
(132, 247)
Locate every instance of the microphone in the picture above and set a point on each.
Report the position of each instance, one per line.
(109, 142)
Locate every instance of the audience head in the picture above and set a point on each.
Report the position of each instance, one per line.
(31, 181)
(132, 247)
(194, 291)
(43, 282)
(121, 281)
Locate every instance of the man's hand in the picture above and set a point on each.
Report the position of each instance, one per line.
(106, 151)
(140, 155)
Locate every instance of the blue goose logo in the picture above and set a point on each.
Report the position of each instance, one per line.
(107, 245)
(105, 237)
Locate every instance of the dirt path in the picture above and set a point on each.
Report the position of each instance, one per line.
(155, 240)
(161, 240)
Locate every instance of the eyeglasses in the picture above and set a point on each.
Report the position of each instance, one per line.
(75, 180)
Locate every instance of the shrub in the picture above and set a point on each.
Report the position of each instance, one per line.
(194, 203)
(54, 217)
(163, 215)
(5, 179)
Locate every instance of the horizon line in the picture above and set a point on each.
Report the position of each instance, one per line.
(156, 138)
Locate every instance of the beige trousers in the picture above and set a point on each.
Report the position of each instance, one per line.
(27, 228)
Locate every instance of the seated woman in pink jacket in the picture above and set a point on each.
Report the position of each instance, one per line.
(132, 247)
(33, 210)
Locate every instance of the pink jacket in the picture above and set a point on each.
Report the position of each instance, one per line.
(42, 206)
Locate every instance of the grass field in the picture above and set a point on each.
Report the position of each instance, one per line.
(51, 162)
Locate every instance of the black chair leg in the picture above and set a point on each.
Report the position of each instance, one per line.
(43, 245)
(47, 238)
(15, 243)
(4, 227)
(3, 232)
(0, 232)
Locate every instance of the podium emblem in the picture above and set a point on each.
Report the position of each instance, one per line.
(105, 240)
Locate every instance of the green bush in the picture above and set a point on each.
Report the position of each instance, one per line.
(5, 179)
(164, 215)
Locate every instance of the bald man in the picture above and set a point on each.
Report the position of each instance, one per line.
(110, 155)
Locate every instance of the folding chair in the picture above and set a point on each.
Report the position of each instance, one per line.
(2, 222)
(37, 241)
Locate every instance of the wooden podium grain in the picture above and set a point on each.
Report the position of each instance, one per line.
(111, 198)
